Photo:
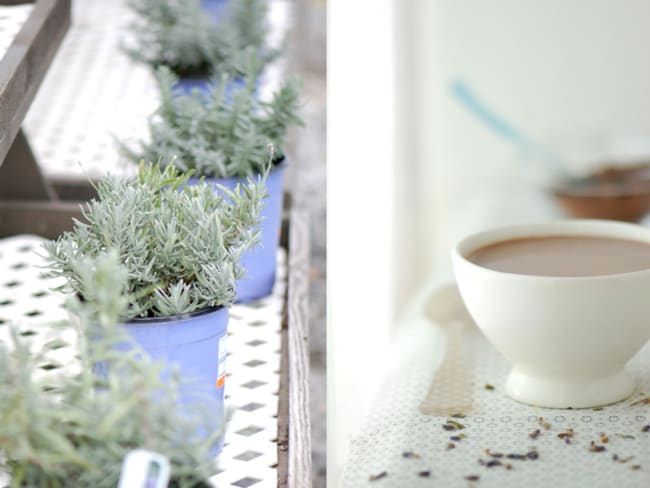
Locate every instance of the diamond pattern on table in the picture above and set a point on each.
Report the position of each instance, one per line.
(253, 363)
(246, 482)
(250, 430)
(249, 407)
(247, 456)
(253, 384)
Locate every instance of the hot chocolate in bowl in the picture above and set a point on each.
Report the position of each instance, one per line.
(612, 192)
(565, 302)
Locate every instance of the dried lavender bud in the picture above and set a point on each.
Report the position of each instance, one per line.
(645, 428)
(377, 477)
(451, 445)
(410, 455)
(448, 427)
(621, 460)
(604, 439)
(493, 463)
(458, 425)
(543, 423)
(518, 457)
(596, 448)
(459, 415)
(424, 474)
(493, 454)
(635, 467)
(535, 434)
(455, 438)
(489, 387)
(473, 477)
(532, 455)
(508, 466)
(626, 437)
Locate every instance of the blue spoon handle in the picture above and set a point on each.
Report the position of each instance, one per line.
(499, 125)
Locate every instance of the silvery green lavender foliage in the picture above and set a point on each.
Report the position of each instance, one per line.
(60, 430)
(180, 243)
(223, 137)
(179, 34)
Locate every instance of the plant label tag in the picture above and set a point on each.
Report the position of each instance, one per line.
(221, 372)
(144, 469)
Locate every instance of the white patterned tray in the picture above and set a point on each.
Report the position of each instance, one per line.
(250, 454)
(404, 443)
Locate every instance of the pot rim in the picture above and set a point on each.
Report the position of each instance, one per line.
(174, 318)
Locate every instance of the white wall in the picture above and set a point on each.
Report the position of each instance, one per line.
(554, 68)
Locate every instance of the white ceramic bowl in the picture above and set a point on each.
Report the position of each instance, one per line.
(568, 338)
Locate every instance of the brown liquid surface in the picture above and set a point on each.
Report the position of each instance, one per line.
(564, 256)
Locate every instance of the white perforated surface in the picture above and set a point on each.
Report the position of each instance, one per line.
(94, 93)
(249, 457)
(11, 20)
(397, 426)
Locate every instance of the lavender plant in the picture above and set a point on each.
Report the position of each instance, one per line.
(180, 243)
(78, 432)
(225, 136)
(179, 34)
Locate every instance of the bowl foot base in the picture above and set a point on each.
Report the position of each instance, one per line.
(573, 392)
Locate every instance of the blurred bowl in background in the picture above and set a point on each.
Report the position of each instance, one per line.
(607, 175)
(615, 193)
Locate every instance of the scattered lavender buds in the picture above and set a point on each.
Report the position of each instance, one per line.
(543, 423)
(473, 477)
(424, 474)
(489, 387)
(645, 428)
(450, 445)
(635, 467)
(458, 415)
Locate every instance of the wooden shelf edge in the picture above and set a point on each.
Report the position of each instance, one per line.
(294, 425)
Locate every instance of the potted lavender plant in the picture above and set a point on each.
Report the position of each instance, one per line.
(181, 246)
(226, 139)
(75, 429)
(179, 34)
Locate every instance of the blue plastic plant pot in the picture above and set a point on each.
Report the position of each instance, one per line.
(215, 8)
(185, 86)
(260, 262)
(194, 345)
